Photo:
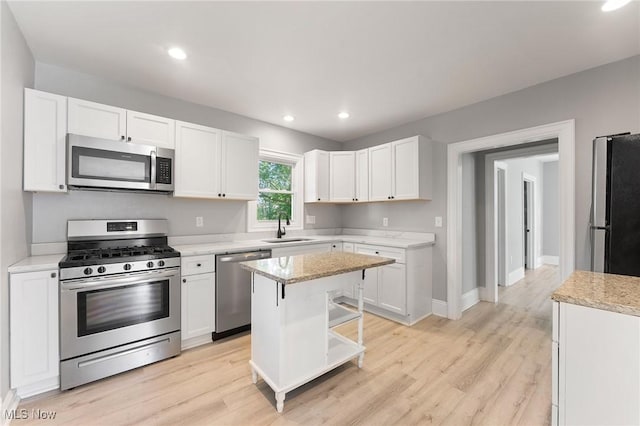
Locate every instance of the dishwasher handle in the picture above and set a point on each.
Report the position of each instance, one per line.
(244, 256)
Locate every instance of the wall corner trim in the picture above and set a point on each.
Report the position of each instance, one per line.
(439, 308)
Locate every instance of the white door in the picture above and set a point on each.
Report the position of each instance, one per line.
(362, 175)
(45, 132)
(198, 305)
(147, 129)
(380, 172)
(96, 120)
(33, 312)
(239, 166)
(406, 163)
(197, 159)
(392, 287)
(342, 176)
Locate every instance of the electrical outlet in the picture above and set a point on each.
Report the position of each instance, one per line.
(310, 220)
(385, 221)
(438, 221)
(199, 221)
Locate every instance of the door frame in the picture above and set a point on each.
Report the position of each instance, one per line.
(531, 217)
(564, 131)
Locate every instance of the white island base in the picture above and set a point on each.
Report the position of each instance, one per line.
(291, 338)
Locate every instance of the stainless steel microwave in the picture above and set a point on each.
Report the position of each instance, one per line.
(94, 163)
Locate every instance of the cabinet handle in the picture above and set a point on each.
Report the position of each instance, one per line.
(377, 252)
(184, 280)
(129, 139)
(122, 137)
(53, 275)
(224, 195)
(219, 195)
(61, 186)
(318, 199)
(392, 197)
(356, 199)
(199, 265)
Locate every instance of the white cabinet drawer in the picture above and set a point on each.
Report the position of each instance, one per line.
(393, 253)
(198, 264)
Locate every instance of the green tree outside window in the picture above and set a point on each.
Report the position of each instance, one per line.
(275, 190)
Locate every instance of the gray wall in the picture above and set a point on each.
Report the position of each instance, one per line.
(17, 72)
(51, 211)
(602, 100)
(550, 210)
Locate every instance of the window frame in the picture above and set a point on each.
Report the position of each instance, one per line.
(297, 196)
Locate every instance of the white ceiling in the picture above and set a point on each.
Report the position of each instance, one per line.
(387, 63)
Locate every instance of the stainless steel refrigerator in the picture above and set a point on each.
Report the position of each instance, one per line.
(615, 205)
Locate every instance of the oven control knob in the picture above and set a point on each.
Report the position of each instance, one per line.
(127, 266)
(88, 271)
(161, 263)
(149, 264)
(102, 269)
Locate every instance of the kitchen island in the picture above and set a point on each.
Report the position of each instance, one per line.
(293, 313)
(596, 350)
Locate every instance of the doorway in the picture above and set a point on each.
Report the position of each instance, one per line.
(564, 131)
(528, 219)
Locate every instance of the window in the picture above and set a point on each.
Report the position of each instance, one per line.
(279, 192)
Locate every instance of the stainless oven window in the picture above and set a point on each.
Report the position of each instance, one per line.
(92, 163)
(107, 309)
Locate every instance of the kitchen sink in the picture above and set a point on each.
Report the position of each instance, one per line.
(286, 240)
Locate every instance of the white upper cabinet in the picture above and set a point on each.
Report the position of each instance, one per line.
(212, 163)
(380, 172)
(108, 122)
(342, 186)
(197, 149)
(45, 132)
(316, 176)
(239, 166)
(401, 170)
(147, 129)
(362, 175)
(96, 120)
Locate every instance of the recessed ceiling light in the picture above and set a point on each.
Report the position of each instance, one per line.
(288, 118)
(177, 53)
(343, 115)
(614, 4)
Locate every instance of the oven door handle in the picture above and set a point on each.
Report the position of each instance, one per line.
(139, 278)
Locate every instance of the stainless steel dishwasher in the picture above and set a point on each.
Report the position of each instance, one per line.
(233, 292)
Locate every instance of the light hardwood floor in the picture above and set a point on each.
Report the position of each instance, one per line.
(492, 367)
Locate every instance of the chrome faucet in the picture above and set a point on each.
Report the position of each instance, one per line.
(281, 230)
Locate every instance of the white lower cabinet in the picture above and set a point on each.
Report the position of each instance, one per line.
(33, 323)
(596, 380)
(197, 300)
(400, 291)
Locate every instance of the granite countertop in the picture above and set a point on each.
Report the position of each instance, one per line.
(306, 267)
(609, 292)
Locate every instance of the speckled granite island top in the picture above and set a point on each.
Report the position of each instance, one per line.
(609, 292)
(306, 267)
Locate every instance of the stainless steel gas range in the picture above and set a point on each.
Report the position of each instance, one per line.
(119, 298)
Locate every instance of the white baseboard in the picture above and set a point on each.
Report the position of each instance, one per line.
(470, 298)
(9, 405)
(195, 341)
(550, 260)
(515, 276)
(439, 307)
